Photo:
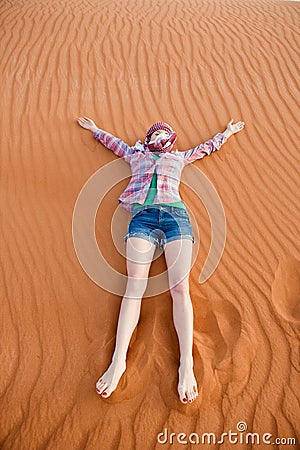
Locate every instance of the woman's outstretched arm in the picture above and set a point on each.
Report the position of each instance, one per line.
(119, 147)
(213, 144)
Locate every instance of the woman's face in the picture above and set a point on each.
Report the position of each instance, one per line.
(158, 132)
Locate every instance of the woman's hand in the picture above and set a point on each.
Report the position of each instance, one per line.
(233, 128)
(87, 123)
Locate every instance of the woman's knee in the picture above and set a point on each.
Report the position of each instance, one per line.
(135, 287)
(180, 289)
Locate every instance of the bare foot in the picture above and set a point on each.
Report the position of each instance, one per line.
(110, 379)
(187, 386)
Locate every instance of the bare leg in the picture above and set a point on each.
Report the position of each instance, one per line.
(139, 255)
(178, 256)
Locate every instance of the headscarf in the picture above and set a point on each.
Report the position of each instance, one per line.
(162, 142)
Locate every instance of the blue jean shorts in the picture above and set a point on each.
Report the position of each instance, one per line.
(160, 224)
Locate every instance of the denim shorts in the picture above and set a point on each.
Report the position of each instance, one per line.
(160, 224)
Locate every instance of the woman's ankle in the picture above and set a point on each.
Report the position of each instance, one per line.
(186, 362)
(119, 358)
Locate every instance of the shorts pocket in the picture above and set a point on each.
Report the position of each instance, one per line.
(137, 212)
(180, 212)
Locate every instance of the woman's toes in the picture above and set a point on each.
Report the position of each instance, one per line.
(187, 396)
(183, 397)
(102, 388)
(190, 397)
(106, 393)
(99, 387)
(99, 383)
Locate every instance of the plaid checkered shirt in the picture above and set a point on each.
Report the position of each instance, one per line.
(168, 167)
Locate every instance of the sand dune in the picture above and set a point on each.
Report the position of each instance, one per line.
(128, 64)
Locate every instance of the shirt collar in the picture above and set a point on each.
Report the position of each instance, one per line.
(141, 147)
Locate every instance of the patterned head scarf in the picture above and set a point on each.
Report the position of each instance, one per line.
(161, 143)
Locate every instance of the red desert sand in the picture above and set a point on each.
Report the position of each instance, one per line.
(127, 64)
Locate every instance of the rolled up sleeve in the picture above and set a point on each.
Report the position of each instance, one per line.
(205, 149)
(119, 147)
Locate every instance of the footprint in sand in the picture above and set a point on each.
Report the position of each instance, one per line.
(217, 328)
(286, 289)
(226, 344)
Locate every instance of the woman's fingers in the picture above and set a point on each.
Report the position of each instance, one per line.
(84, 122)
(84, 119)
(238, 126)
(239, 123)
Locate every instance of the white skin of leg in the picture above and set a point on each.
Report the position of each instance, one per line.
(178, 255)
(139, 255)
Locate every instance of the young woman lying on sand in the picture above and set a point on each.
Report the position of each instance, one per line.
(159, 218)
